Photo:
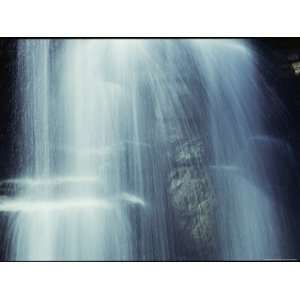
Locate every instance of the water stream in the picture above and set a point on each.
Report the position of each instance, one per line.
(99, 118)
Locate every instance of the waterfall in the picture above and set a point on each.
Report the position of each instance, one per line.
(83, 193)
(101, 123)
(239, 102)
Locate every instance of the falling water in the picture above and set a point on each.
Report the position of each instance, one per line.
(244, 161)
(101, 119)
(83, 192)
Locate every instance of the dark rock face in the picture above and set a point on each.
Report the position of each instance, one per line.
(8, 116)
(192, 200)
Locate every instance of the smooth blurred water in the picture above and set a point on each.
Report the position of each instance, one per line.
(101, 119)
(239, 102)
(82, 148)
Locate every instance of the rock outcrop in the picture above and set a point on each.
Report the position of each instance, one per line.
(192, 200)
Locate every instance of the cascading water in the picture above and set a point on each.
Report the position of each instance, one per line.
(69, 205)
(84, 143)
(250, 224)
(100, 121)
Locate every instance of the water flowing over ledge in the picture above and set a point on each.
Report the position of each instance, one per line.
(136, 149)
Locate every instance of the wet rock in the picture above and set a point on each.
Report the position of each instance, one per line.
(192, 200)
